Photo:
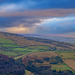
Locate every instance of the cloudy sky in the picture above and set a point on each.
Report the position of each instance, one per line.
(38, 16)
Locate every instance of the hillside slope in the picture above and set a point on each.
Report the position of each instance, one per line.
(28, 41)
(16, 45)
(25, 49)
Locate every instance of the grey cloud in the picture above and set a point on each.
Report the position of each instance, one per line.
(16, 21)
(60, 27)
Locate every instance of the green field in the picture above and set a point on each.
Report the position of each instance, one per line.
(39, 47)
(60, 67)
(8, 53)
(11, 49)
(64, 51)
(66, 54)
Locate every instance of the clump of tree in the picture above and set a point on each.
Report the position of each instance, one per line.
(36, 69)
(8, 66)
(53, 60)
(54, 72)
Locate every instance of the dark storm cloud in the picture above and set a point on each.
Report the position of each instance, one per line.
(7, 21)
(16, 21)
(59, 22)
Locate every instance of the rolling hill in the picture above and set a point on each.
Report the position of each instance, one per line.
(16, 45)
(62, 38)
(41, 52)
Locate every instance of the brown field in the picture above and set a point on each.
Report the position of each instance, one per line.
(70, 63)
(43, 54)
(39, 56)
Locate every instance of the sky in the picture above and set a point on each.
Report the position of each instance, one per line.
(38, 16)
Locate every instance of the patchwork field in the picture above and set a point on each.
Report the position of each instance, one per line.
(8, 47)
(68, 58)
(70, 63)
(40, 51)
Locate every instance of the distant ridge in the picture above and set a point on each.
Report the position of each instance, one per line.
(61, 38)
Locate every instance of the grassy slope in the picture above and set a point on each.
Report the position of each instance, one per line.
(18, 46)
(8, 47)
